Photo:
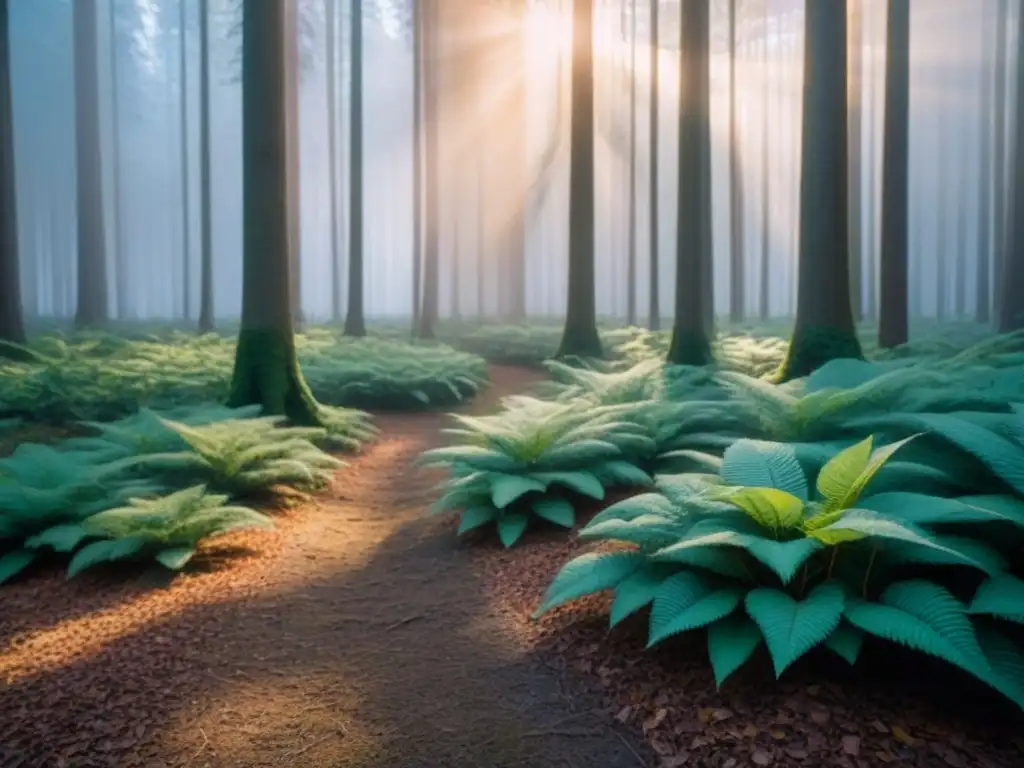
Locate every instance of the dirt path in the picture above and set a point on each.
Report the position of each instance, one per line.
(361, 638)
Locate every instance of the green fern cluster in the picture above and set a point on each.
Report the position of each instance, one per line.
(102, 376)
(752, 556)
(530, 460)
(137, 487)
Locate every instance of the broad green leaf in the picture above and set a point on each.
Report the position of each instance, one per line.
(768, 507)
(846, 642)
(925, 509)
(840, 473)
(505, 489)
(731, 643)
(557, 511)
(783, 557)
(511, 526)
(878, 459)
(1005, 664)
(60, 538)
(592, 572)
(761, 464)
(13, 563)
(689, 601)
(637, 590)
(175, 558)
(1001, 596)
(474, 517)
(103, 551)
(584, 483)
(791, 628)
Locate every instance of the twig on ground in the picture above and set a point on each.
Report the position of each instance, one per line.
(312, 744)
(629, 746)
(206, 741)
(403, 622)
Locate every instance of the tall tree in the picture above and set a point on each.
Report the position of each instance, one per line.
(431, 255)
(12, 326)
(824, 327)
(893, 311)
(942, 209)
(266, 367)
(330, 19)
(122, 278)
(205, 187)
(737, 236)
(580, 337)
(854, 99)
(92, 257)
(631, 265)
(983, 278)
(870, 256)
(1011, 284)
(999, 180)
(355, 322)
(690, 343)
(764, 286)
(418, 65)
(654, 288)
(292, 111)
(186, 251)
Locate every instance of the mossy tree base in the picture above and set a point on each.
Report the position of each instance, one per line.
(267, 374)
(814, 345)
(355, 326)
(689, 347)
(580, 341)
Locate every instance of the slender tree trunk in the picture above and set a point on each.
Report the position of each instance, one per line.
(206, 221)
(291, 32)
(737, 255)
(417, 161)
(514, 244)
(824, 328)
(764, 302)
(580, 337)
(631, 266)
(654, 320)
(1011, 308)
(856, 64)
(983, 278)
(431, 275)
(960, 265)
(690, 344)
(870, 251)
(942, 211)
(122, 277)
(893, 318)
(355, 321)
(12, 327)
(332, 155)
(186, 251)
(999, 181)
(266, 368)
(92, 257)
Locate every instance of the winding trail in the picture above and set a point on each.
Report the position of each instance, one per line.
(365, 640)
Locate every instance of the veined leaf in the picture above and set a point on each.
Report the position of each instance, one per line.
(791, 628)
(637, 590)
(840, 473)
(511, 526)
(584, 483)
(768, 507)
(592, 572)
(505, 489)
(557, 511)
(731, 643)
(760, 464)
(1001, 596)
(783, 557)
(687, 601)
(846, 642)
(474, 517)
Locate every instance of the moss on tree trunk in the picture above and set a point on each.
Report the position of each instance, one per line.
(267, 373)
(814, 345)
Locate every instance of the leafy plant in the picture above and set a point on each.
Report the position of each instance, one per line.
(523, 462)
(753, 557)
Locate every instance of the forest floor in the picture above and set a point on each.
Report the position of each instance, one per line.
(362, 634)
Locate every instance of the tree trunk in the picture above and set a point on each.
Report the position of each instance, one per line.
(186, 251)
(870, 251)
(92, 257)
(580, 337)
(690, 344)
(824, 320)
(942, 211)
(514, 243)
(654, 321)
(205, 191)
(292, 107)
(355, 321)
(332, 155)
(266, 368)
(893, 316)
(983, 278)
(431, 277)
(856, 74)
(1011, 308)
(764, 286)
(999, 181)
(12, 328)
(122, 280)
(419, 65)
(737, 254)
(631, 265)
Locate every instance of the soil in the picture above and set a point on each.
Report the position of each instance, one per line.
(357, 634)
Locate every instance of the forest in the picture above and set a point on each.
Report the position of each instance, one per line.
(511, 383)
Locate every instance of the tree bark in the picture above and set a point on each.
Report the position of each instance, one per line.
(12, 327)
(122, 279)
(206, 308)
(332, 154)
(856, 64)
(186, 251)
(294, 161)
(983, 278)
(999, 180)
(737, 254)
(631, 265)
(431, 273)
(580, 337)
(266, 368)
(690, 343)
(893, 318)
(1011, 308)
(764, 285)
(419, 65)
(654, 321)
(355, 321)
(824, 319)
(92, 258)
